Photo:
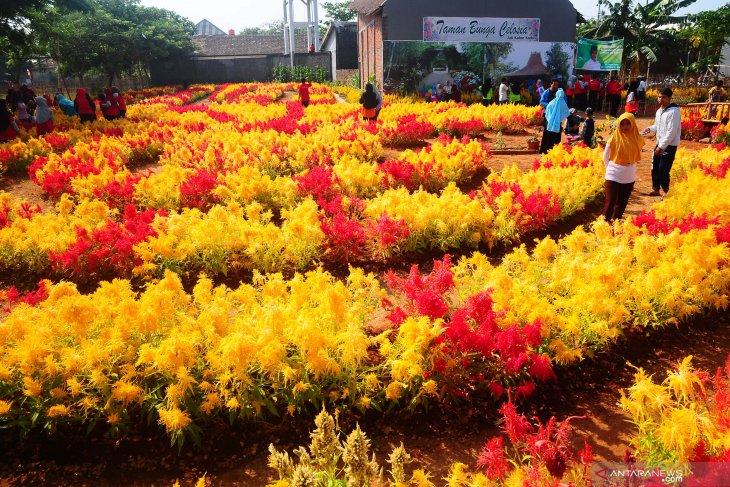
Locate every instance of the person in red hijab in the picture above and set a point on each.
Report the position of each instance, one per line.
(109, 106)
(304, 92)
(84, 106)
(8, 128)
(117, 95)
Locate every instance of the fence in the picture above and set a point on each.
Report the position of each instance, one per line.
(233, 70)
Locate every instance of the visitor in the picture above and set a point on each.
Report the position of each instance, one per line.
(13, 97)
(503, 92)
(539, 90)
(613, 91)
(304, 92)
(22, 115)
(580, 100)
(369, 102)
(379, 106)
(641, 90)
(487, 92)
(104, 106)
(589, 128)
(621, 156)
(556, 111)
(572, 126)
(43, 116)
(594, 86)
(113, 109)
(84, 106)
(632, 103)
(448, 90)
(117, 96)
(8, 128)
(549, 94)
(515, 93)
(441, 93)
(668, 129)
(717, 92)
(456, 93)
(66, 105)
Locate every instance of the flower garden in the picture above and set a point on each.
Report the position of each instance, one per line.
(213, 261)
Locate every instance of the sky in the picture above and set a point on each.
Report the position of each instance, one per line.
(237, 14)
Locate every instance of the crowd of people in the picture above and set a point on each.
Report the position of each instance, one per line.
(22, 108)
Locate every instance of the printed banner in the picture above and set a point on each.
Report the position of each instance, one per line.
(418, 66)
(482, 29)
(599, 55)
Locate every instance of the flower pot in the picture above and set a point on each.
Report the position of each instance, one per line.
(533, 144)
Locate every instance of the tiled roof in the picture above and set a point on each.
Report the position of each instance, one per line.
(366, 6)
(245, 45)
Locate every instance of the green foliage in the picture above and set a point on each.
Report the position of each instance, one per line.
(355, 79)
(110, 36)
(557, 61)
(276, 27)
(338, 11)
(285, 74)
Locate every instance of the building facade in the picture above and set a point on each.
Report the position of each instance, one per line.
(383, 24)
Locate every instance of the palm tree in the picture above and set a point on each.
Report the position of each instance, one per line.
(642, 27)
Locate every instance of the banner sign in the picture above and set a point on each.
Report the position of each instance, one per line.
(482, 29)
(599, 55)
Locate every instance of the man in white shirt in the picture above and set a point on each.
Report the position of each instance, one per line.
(668, 129)
(503, 92)
(641, 90)
(592, 64)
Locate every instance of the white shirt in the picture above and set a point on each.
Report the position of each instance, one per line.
(503, 92)
(642, 86)
(617, 172)
(667, 127)
(592, 65)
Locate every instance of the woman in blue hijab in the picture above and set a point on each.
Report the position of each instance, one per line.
(556, 111)
(66, 105)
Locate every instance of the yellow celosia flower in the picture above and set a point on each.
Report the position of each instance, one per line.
(5, 407)
(58, 410)
(174, 419)
(394, 390)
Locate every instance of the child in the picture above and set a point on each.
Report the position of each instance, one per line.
(589, 128)
(572, 126)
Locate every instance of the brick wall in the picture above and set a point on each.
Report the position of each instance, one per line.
(370, 47)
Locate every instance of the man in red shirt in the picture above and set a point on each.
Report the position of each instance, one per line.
(579, 94)
(304, 92)
(594, 85)
(613, 91)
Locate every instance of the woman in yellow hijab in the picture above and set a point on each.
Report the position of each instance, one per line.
(620, 157)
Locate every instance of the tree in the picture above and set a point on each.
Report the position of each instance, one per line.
(641, 26)
(707, 34)
(17, 18)
(338, 12)
(557, 61)
(275, 27)
(115, 37)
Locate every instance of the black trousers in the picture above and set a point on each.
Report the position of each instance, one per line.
(617, 197)
(661, 165)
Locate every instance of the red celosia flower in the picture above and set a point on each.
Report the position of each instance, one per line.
(197, 190)
(541, 368)
(555, 462)
(492, 460)
(515, 425)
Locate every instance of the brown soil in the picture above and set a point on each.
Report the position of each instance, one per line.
(237, 455)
